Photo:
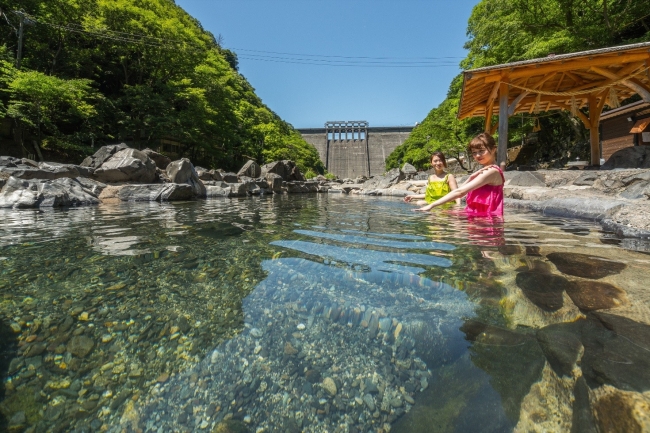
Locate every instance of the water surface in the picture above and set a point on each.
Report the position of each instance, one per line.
(317, 313)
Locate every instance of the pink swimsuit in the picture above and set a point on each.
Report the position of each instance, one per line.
(486, 200)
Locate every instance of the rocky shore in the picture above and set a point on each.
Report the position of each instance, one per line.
(617, 198)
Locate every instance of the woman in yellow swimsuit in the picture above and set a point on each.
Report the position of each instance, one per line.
(438, 185)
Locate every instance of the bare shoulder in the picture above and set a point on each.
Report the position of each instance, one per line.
(495, 175)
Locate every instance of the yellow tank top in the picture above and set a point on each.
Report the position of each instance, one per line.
(436, 189)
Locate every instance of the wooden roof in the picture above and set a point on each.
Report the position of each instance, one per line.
(559, 82)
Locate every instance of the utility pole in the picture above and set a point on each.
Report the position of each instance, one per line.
(19, 56)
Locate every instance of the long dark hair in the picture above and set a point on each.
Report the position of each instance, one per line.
(441, 156)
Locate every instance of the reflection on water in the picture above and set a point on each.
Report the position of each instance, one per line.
(318, 313)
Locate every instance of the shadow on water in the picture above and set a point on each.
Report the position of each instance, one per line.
(8, 344)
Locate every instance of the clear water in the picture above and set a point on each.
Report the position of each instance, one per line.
(317, 313)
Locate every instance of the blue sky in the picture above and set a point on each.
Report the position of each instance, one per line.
(275, 38)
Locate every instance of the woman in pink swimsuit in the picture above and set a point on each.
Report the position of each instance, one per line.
(484, 188)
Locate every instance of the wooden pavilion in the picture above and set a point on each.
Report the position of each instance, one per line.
(587, 79)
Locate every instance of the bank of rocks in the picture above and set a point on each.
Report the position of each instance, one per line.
(117, 173)
(619, 198)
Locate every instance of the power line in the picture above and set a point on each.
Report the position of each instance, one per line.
(348, 57)
(279, 57)
(360, 65)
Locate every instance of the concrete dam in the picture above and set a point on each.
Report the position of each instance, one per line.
(352, 148)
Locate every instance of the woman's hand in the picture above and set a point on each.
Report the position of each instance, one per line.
(408, 198)
(422, 209)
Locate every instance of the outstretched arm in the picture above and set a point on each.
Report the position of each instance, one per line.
(483, 178)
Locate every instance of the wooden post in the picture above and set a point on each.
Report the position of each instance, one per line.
(594, 136)
(502, 149)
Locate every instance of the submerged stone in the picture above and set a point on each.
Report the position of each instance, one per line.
(230, 426)
(543, 289)
(585, 265)
(80, 346)
(583, 418)
(562, 349)
(479, 332)
(596, 295)
(622, 412)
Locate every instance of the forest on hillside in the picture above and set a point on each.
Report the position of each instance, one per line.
(96, 72)
(502, 31)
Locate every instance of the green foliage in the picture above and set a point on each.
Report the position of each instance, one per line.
(502, 31)
(162, 77)
(46, 105)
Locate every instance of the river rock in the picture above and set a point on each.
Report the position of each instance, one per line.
(216, 175)
(217, 191)
(62, 192)
(524, 179)
(102, 155)
(585, 265)
(250, 169)
(127, 165)
(543, 289)
(562, 349)
(596, 295)
(182, 171)
(622, 412)
(91, 186)
(274, 182)
(148, 192)
(160, 160)
(408, 170)
(629, 157)
(46, 171)
(80, 346)
(389, 179)
(286, 169)
(582, 420)
(330, 386)
(204, 174)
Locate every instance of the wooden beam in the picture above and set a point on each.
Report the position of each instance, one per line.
(631, 83)
(502, 148)
(569, 65)
(513, 105)
(577, 78)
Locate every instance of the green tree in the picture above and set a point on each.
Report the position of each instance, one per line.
(47, 106)
(502, 31)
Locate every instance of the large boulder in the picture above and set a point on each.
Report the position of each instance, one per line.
(286, 169)
(102, 155)
(182, 171)
(250, 169)
(127, 165)
(45, 171)
(148, 192)
(62, 192)
(629, 157)
(409, 170)
(389, 179)
(9, 161)
(161, 161)
(274, 182)
(203, 173)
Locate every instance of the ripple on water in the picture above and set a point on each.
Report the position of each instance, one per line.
(226, 313)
